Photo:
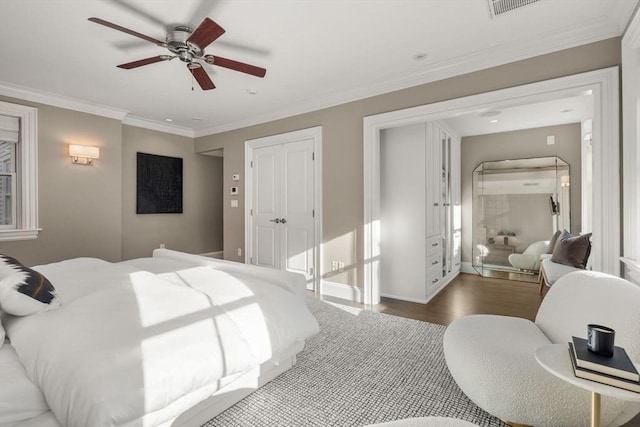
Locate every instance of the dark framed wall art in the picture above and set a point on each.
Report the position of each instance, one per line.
(159, 184)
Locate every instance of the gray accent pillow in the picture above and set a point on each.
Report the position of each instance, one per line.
(552, 242)
(572, 250)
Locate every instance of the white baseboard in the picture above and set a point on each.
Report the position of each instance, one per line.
(402, 298)
(467, 267)
(217, 254)
(342, 291)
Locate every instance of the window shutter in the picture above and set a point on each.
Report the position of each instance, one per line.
(9, 129)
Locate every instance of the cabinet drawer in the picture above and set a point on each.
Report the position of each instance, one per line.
(434, 260)
(434, 245)
(434, 277)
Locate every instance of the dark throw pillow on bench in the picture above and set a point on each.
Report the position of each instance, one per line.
(24, 291)
(572, 250)
(553, 241)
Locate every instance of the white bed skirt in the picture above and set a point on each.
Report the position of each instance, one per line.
(235, 391)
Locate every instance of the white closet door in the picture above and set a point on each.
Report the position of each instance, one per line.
(297, 206)
(433, 179)
(266, 207)
(283, 223)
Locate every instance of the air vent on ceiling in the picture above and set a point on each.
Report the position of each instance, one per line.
(498, 7)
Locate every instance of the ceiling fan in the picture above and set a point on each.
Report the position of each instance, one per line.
(187, 44)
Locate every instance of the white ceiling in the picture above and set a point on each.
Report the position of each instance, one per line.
(317, 52)
(548, 113)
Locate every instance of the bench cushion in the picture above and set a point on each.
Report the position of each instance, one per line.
(552, 271)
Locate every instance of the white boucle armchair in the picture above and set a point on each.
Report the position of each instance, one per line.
(492, 357)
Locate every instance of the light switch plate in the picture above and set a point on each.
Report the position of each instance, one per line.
(234, 203)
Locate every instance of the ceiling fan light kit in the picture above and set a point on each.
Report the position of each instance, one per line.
(188, 45)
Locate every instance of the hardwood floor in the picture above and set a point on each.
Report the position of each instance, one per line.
(471, 294)
(467, 294)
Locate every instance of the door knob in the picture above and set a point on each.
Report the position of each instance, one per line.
(277, 220)
(284, 221)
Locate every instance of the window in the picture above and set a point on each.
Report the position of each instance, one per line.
(18, 172)
(9, 134)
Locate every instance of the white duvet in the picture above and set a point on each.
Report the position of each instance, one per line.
(131, 348)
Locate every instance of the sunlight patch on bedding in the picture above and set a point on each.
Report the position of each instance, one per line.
(236, 299)
(159, 301)
(194, 348)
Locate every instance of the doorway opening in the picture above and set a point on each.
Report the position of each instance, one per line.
(602, 85)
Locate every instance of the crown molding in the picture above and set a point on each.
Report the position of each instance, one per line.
(55, 100)
(596, 30)
(61, 101)
(142, 122)
(631, 36)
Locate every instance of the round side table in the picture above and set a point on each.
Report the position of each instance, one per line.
(555, 359)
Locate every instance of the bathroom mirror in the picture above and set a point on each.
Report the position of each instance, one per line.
(517, 207)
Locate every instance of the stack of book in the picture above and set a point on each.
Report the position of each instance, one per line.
(617, 370)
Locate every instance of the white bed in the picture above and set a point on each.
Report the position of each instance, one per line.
(171, 340)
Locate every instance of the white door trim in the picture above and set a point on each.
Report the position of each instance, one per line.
(314, 133)
(604, 87)
(631, 148)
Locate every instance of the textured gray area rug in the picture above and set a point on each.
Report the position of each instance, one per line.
(362, 368)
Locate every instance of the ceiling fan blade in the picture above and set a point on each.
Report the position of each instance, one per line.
(147, 61)
(146, 15)
(206, 33)
(235, 65)
(126, 30)
(201, 76)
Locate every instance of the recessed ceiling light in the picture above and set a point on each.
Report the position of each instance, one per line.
(493, 121)
(252, 91)
(196, 119)
(419, 56)
(566, 110)
(168, 120)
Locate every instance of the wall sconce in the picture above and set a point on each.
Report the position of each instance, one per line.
(83, 155)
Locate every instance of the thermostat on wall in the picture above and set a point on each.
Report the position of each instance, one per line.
(234, 190)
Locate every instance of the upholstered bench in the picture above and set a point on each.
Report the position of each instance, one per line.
(551, 271)
(570, 253)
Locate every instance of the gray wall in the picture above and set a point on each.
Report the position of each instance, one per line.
(89, 211)
(199, 228)
(520, 145)
(79, 206)
(342, 152)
